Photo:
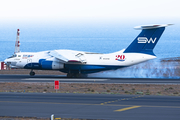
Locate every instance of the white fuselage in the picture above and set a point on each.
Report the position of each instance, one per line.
(117, 59)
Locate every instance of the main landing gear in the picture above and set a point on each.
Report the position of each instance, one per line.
(76, 75)
(32, 73)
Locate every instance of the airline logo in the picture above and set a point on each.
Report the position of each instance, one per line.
(145, 40)
(27, 56)
(120, 57)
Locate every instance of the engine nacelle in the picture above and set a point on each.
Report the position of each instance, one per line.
(50, 65)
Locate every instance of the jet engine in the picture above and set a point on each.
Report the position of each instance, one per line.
(50, 65)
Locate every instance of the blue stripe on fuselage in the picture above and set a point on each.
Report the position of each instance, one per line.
(45, 65)
(32, 66)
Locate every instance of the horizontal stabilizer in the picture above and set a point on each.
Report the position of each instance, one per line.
(151, 26)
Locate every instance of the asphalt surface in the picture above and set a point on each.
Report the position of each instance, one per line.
(52, 78)
(90, 106)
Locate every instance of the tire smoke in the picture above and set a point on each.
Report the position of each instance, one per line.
(159, 68)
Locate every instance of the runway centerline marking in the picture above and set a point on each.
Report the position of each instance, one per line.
(65, 79)
(128, 108)
(120, 100)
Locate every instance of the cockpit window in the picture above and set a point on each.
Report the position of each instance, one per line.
(13, 56)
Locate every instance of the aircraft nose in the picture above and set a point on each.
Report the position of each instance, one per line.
(5, 61)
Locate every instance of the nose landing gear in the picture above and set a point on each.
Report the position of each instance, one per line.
(32, 73)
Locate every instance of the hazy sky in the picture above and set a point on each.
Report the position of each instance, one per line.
(88, 10)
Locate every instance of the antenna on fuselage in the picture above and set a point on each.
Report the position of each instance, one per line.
(17, 44)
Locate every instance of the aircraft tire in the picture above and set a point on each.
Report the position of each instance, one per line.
(32, 73)
(80, 75)
(69, 75)
(73, 75)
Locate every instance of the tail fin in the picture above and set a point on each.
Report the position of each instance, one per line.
(147, 39)
(17, 44)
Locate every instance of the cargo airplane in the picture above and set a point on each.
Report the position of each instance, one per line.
(79, 63)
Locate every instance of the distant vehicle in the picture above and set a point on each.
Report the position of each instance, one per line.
(79, 63)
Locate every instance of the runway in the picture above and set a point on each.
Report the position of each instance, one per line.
(63, 79)
(90, 106)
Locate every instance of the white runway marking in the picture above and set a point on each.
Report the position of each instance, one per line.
(65, 79)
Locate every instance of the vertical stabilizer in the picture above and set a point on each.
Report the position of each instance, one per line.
(147, 39)
(17, 44)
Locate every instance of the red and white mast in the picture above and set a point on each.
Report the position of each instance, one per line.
(17, 44)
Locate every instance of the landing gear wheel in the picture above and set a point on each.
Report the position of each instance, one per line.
(32, 73)
(69, 75)
(84, 75)
(76, 75)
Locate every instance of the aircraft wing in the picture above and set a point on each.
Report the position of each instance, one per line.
(78, 59)
(58, 56)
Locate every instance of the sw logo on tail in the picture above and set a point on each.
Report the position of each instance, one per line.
(79, 63)
(145, 40)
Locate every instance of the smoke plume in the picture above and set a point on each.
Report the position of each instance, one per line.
(159, 68)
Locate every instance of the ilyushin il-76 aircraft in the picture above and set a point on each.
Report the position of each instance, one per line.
(80, 64)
